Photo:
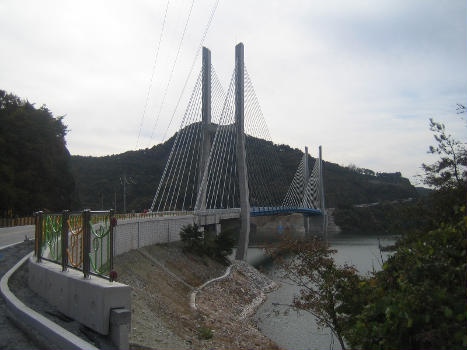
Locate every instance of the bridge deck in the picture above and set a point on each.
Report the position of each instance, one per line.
(269, 211)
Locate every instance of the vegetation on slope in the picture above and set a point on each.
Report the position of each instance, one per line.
(99, 180)
(35, 168)
(418, 299)
(37, 171)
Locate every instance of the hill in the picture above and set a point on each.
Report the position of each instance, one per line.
(99, 180)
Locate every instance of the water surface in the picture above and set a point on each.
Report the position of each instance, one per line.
(294, 331)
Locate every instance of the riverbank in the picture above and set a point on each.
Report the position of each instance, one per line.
(163, 278)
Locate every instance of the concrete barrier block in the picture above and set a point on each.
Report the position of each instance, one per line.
(88, 301)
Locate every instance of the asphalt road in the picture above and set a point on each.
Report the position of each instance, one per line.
(10, 336)
(15, 234)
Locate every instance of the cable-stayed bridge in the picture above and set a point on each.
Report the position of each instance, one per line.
(223, 163)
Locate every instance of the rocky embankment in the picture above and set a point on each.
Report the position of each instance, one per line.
(164, 279)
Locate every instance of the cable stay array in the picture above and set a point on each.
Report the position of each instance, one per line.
(179, 183)
(265, 173)
(202, 171)
(221, 189)
(304, 192)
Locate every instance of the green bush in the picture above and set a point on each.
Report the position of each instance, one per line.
(192, 237)
(205, 333)
(418, 300)
(204, 244)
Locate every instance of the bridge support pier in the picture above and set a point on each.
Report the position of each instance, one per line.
(241, 154)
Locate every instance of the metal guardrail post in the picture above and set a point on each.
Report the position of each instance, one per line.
(38, 235)
(86, 242)
(64, 239)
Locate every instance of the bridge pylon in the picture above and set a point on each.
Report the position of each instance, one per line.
(306, 175)
(242, 170)
(205, 146)
(321, 194)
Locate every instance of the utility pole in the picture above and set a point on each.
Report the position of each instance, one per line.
(124, 181)
(242, 170)
(124, 193)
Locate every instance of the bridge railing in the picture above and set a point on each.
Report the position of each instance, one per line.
(151, 214)
(79, 240)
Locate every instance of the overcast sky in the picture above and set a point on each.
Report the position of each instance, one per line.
(360, 78)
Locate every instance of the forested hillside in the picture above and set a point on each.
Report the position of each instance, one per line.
(35, 163)
(37, 171)
(99, 180)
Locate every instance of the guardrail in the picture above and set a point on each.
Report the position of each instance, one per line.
(8, 222)
(79, 240)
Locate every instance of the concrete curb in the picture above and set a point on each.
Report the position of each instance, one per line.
(30, 319)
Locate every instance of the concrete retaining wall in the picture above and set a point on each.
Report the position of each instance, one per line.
(137, 233)
(88, 301)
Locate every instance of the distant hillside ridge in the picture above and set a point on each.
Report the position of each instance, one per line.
(99, 180)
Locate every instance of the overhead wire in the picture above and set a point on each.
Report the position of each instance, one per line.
(152, 73)
(173, 69)
(208, 25)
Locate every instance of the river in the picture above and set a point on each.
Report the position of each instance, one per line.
(299, 331)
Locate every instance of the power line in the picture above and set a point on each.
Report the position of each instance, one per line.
(152, 74)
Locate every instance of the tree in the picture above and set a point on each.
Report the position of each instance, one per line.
(418, 300)
(216, 247)
(326, 289)
(35, 169)
(450, 170)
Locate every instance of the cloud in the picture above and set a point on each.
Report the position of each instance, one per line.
(360, 78)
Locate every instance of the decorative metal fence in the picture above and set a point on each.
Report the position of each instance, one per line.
(83, 241)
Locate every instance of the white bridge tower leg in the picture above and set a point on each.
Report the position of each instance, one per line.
(321, 194)
(241, 154)
(206, 130)
(306, 176)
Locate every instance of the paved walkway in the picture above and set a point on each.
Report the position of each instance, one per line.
(10, 336)
(15, 234)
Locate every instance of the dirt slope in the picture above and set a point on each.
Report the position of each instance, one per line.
(162, 279)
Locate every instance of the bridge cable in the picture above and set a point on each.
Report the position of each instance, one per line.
(258, 129)
(171, 155)
(152, 74)
(185, 144)
(219, 155)
(208, 24)
(172, 70)
(261, 125)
